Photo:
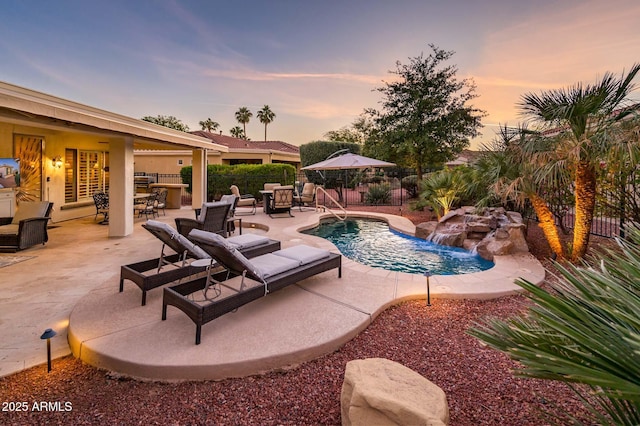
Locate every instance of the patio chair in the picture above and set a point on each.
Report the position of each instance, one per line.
(152, 273)
(270, 186)
(147, 207)
(212, 218)
(307, 197)
(161, 201)
(246, 200)
(233, 201)
(266, 273)
(101, 201)
(27, 227)
(281, 201)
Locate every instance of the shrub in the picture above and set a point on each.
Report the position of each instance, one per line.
(249, 178)
(410, 184)
(378, 194)
(584, 329)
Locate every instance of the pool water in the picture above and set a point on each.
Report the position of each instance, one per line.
(371, 242)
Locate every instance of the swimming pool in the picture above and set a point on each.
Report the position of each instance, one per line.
(372, 242)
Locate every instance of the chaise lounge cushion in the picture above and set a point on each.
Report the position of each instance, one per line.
(10, 229)
(271, 264)
(247, 240)
(303, 254)
(218, 241)
(29, 210)
(194, 250)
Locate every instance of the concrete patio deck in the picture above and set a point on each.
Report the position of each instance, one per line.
(71, 285)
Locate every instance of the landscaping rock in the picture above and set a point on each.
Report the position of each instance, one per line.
(377, 391)
(495, 232)
(423, 230)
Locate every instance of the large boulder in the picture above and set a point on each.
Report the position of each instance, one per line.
(424, 229)
(378, 391)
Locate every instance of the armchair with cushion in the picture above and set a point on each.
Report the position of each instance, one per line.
(308, 195)
(27, 227)
(212, 218)
(246, 200)
(282, 200)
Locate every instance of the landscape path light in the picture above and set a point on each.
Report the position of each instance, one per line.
(48, 334)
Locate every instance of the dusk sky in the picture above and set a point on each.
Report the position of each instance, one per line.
(315, 63)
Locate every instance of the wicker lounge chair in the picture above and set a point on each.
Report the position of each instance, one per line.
(149, 274)
(260, 276)
(212, 218)
(27, 227)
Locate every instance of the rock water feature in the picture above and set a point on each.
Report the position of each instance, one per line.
(495, 232)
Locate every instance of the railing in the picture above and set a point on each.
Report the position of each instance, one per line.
(333, 200)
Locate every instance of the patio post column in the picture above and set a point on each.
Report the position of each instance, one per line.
(199, 178)
(121, 187)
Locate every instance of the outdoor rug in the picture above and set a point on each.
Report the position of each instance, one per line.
(8, 260)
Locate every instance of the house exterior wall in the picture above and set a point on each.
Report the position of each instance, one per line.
(53, 178)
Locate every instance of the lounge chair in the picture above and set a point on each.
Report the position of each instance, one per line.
(27, 227)
(212, 218)
(246, 200)
(149, 274)
(260, 276)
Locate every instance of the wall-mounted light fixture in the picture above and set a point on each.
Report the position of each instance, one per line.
(57, 162)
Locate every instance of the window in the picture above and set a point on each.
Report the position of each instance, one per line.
(86, 172)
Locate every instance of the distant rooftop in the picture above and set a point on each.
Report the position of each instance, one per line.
(236, 144)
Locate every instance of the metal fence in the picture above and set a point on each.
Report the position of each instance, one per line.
(359, 189)
(617, 204)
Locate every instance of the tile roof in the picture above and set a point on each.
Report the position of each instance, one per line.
(235, 144)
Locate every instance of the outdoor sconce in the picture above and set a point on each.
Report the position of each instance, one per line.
(57, 162)
(48, 334)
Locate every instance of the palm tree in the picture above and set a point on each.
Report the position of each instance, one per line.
(266, 116)
(243, 115)
(209, 125)
(583, 116)
(512, 178)
(237, 132)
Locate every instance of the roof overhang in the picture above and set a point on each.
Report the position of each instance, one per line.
(28, 107)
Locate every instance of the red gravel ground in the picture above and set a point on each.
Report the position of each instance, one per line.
(478, 381)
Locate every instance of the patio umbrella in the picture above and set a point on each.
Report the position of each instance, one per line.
(348, 161)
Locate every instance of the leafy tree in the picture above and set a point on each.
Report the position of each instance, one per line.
(266, 116)
(243, 115)
(358, 132)
(167, 121)
(209, 125)
(426, 117)
(584, 330)
(237, 132)
(583, 118)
